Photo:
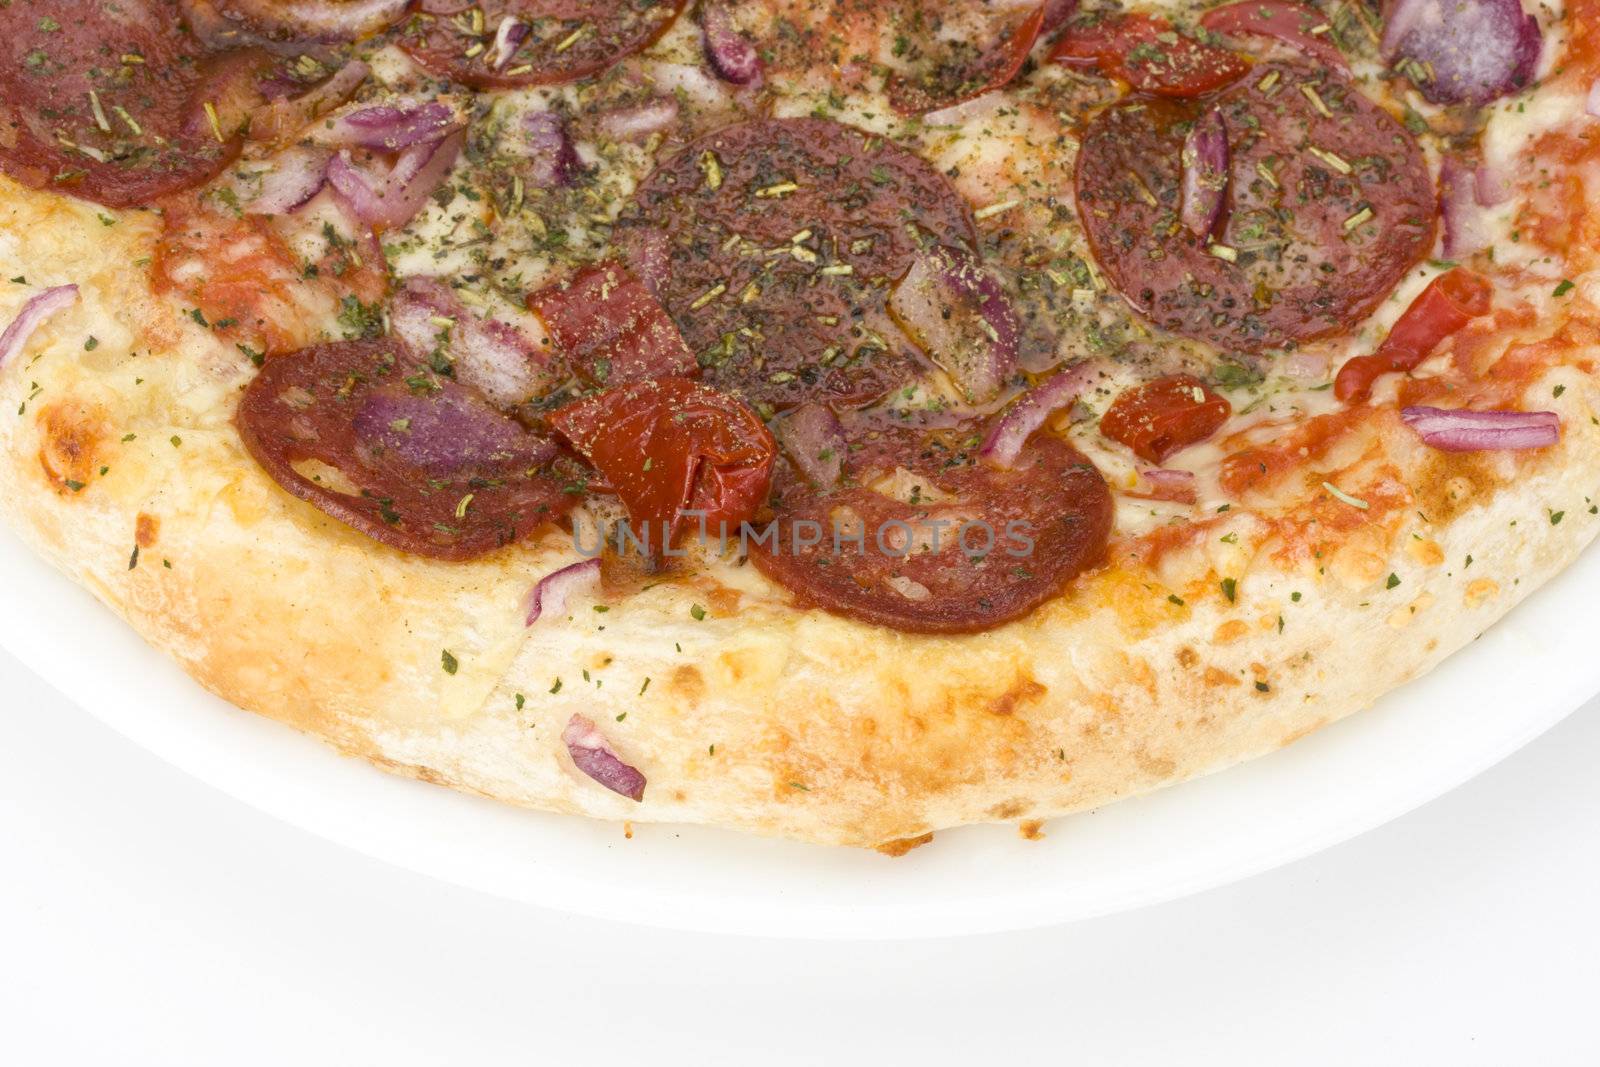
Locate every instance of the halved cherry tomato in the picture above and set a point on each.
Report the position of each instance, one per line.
(1280, 20)
(946, 87)
(1147, 53)
(1450, 301)
(670, 445)
(610, 328)
(1165, 416)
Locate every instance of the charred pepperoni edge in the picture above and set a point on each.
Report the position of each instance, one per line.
(609, 31)
(1131, 154)
(947, 85)
(156, 135)
(1056, 491)
(610, 328)
(857, 195)
(397, 507)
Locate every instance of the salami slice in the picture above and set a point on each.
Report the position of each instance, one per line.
(505, 43)
(784, 237)
(409, 458)
(109, 101)
(1328, 204)
(949, 544)
(960, 69)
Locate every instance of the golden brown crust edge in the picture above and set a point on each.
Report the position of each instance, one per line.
(757, 717)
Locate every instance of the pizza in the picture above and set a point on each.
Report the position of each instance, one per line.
(831, 419)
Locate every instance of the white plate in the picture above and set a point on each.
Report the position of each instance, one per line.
(1519, 679)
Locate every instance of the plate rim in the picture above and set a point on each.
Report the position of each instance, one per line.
(273, 789)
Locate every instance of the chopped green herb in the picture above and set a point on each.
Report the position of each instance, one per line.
(1230, 589)
(448, 661)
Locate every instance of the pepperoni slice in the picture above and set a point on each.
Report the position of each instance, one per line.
(107, 101)
(1330, 204)
(1294, 24)
(952, 546)
(785, 237)
(966, 69)
(1147, 53)
(504, 43)
(408, 458)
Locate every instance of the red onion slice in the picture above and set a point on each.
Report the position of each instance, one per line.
(392, 199)
(328, 20)
(1205, 173)
(1162, 483)
(507, 38)
(35, 310)
(389, 126)
(446, 431)
(550, 160)
(730, 53)
(637, 123)
(813, 439)
(1004, 443)
(498, 358)
(955, 310)
(298, 174)
(1491, 185)
(1056, 14)
(1463, 51)
(595, 757)
(550, 594)
(281, 120)
(1465, 229)
(648, 256)
(1453, 430)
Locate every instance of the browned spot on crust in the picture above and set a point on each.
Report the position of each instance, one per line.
(904, 845)
(1450, 482)
(1216, 676)
(1156, 766)
(146, 528)
(1022, 691)
(1008, 809)
(1031, 830)
(687, 681)
(1230, 631)
(1187, 657)
(70, 434)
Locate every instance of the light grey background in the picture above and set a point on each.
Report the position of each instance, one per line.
(147, 919)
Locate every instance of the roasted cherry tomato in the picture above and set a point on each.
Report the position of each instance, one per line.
(610, 328)
(1147, 53)
(1165, 416)
(1450, 301)
(1293, 24)
(670, 445)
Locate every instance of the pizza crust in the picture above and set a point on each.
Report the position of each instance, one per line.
(758, 716)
